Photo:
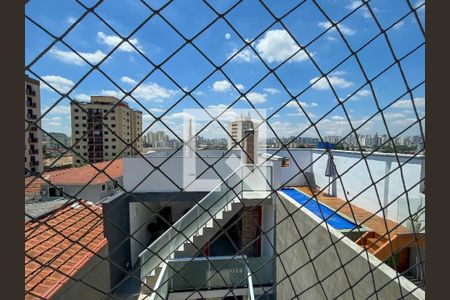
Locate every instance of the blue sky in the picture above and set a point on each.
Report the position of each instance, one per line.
(92, 39)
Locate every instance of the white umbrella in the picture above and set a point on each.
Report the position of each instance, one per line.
(330, 171)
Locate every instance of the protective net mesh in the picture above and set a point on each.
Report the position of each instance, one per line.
(284, 244)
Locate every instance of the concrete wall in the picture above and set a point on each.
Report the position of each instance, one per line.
(95, 273)
(140, 216)
(178, 169)
(92, 192)
(296, 262)
(291, 176)
(357, 179)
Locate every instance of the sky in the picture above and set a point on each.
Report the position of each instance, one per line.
(243, 78)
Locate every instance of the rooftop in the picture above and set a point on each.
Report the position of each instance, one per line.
(52, 256)
(76, 176)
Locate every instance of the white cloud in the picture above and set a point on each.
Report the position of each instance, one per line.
(153, 92)
(227, 36)
(344, 29)
(63, 85)
(224, 86)
(256, 98)
(58, 118)
(221, 86)
(71, 20)
(336, 81)
(364, 93)
(72, 58)
(272, 91)
(199, 93)
(240, 86)
(275, 46)
(54, 124)
(112, 93)
(406, 103)
(245, 55)
(354, 5)
(126, 79)
(82, 97)
(113, 40)
(150, 91)
(294, 104)
(398, 25)
(337, 118)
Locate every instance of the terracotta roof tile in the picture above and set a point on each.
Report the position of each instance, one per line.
(47, 250)
(76, 176)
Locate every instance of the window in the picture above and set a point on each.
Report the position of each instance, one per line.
(113, 118)
(77, 132)
(103, 187)
(113, 146)
(113, 139)
(83, 117)
(106, 147)
(105, 110)
(113, 125)
(114, 154)
(105, 132)
(76, 117)
(84, 125)
(106, 139)
(77, 146)
(76, 110)
(54, 192)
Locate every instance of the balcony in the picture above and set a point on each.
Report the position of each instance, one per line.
(34, 163)
(31, 104)
(212, 276)
(33, 151)
(32, 140)
(31, 116)
(30, 92)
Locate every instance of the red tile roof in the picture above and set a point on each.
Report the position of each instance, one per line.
(64, 256)
(76, 176)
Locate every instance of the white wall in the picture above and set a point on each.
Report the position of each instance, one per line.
(302, 157)
(357, 179)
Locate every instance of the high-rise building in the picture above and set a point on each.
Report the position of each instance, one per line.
(244, 127)
(101, 132)
(237, 130)
(157, 139)
(56, 140)
(33, 135)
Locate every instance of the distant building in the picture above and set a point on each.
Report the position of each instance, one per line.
(33, 136)
(237, 130)
(95, 142)
(55, 139)
(157, 139)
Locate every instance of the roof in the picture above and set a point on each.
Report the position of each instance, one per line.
(40, 209)
(76, 176)
(50, 258)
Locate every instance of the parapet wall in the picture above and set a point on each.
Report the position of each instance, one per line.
(303, 270)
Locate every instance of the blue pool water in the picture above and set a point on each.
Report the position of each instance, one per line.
(336, 221)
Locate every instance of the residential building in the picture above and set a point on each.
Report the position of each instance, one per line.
(157, 139)
(33, 135)
(103, 128)
(56, 140)
(92, 183)
(238, 129)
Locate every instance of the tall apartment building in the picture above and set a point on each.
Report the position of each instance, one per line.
(237, 130)
(33, 136)
(93, 127)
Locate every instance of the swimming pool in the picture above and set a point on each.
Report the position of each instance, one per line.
(333, 219)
